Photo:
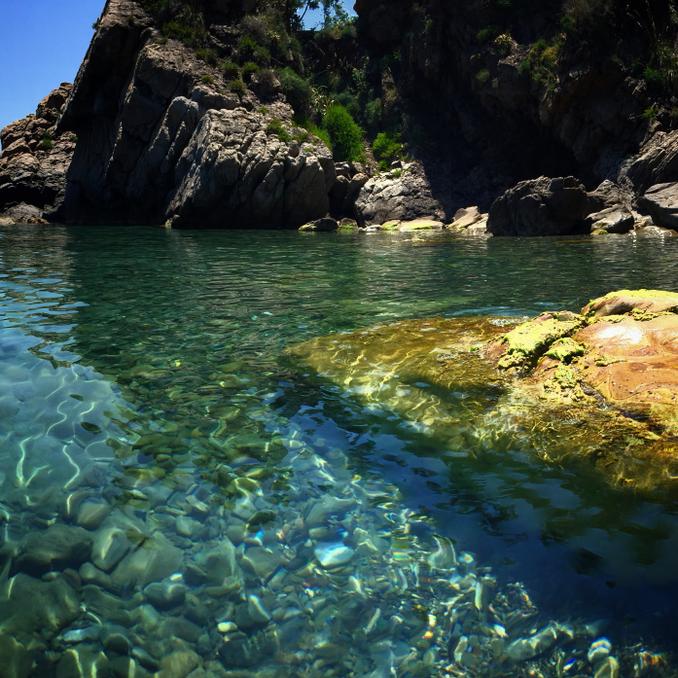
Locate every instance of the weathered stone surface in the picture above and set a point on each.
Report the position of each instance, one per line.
(537, 384)
(30, 607)
(469, 221)
(58, 547)
(626, 301)
(611, 220)
(403, 194)
(324, 225)
(656, 163)
(34, 162)
(541, 207)
(661, 202)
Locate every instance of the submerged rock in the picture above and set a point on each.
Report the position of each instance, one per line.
(538, 384)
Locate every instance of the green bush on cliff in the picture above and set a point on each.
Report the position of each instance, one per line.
(345, 134)
(230, 69)
(387, 148)
(46, 143)
(298, 92)
(250, 50)
(208, 55)
(275, 127)
(249, 69)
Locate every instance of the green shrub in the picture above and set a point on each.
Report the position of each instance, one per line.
(237, 86)
(345, 134)
(207, 79)
(482, 76)
(374, 111)
(318, 132)
(350, 102)
(230, 69)
(46, 143)
(208, 55)
(387, 148)
(651, 113)
(187, 27)
(275, 126)
(249, 69)
(250, 50)
(503, 43)
(297, 91)
(486, 34)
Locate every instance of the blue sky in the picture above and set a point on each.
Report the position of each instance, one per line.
(43, 43)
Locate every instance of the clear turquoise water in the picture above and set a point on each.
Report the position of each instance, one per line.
(144, 369)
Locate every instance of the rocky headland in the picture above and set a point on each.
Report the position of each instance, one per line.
(543, 119)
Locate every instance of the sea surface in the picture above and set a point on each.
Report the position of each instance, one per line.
(186, 493)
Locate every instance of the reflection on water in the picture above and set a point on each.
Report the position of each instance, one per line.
(176, 493)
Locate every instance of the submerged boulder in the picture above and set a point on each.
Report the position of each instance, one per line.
(539, 384)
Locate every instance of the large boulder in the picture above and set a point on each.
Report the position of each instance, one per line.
(657, 162)
(541, 206)
(403, 194)
(661, 203)
(538, 384)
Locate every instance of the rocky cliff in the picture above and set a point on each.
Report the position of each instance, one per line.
(486, 95)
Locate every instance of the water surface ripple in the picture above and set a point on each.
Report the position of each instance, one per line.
(176, 493)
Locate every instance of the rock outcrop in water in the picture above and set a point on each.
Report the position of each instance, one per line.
(485, 97)
(601, 384)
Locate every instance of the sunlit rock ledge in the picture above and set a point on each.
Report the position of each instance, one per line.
(601, 384)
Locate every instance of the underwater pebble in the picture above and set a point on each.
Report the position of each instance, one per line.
(600, 649)
(333, 554)
(608, 669)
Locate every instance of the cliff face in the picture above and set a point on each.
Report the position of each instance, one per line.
(498, 92)
(162, 138)
(485, 94)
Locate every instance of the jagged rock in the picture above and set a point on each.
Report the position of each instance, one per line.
(469, 221)
(541, 207)
(34, 162)
(611, 220)
(661, 202)
(656, 163)
(402, 194)
(325, 225)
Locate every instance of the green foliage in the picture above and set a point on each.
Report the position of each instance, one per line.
(651, 113)
(275, 126)
(662, 72)
(208, 55)
(387, 148)
(482, 76)
(237, 86)
(318, 132)
(230, 69)
(46, 143)
(541, 63)
(349, 101)
(207, 79)
(485, 35)
(345, 134)
(249, 69)
(187, 25)
(297, 91)
(503, 43)
(250, 50)
(374, 112)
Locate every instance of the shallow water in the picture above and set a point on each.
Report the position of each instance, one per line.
(142, 372)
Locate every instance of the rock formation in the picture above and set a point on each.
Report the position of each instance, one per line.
(487, 98)
(539, 383)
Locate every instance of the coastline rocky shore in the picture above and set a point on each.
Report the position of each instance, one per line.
(152, 132)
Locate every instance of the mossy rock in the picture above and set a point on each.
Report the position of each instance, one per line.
(568, 366)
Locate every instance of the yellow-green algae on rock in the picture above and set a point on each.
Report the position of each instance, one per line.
(564, 384)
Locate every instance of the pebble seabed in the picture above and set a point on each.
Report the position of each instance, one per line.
(124, 554)
(319, 572)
